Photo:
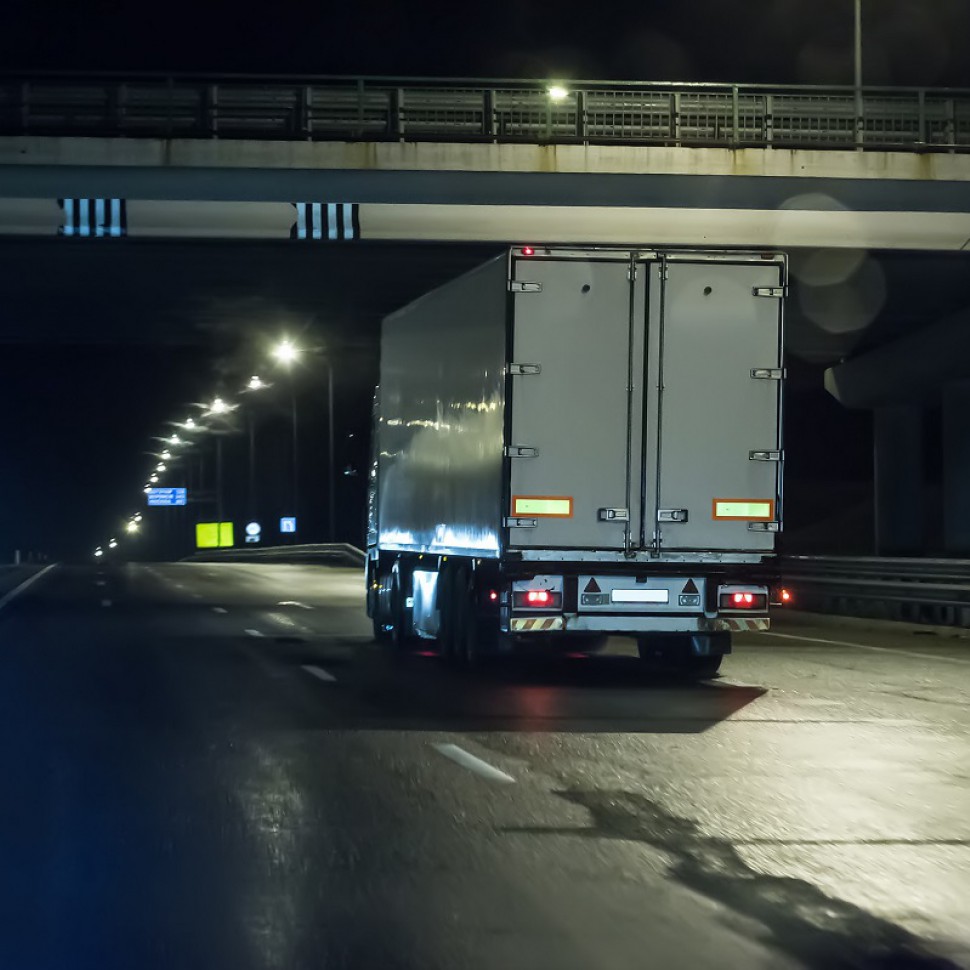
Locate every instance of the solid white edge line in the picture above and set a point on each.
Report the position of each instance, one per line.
(255, 633)
(24, 586)
(462, 757)
(868, 646)
(302, 606)
(320, 673)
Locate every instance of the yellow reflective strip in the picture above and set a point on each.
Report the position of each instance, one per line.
(539, 505)
(742, 510)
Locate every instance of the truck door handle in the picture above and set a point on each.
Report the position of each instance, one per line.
(672, 515)
(614, 515)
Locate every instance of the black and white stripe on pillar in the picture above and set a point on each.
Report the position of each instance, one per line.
(93, 217)
(330, 221)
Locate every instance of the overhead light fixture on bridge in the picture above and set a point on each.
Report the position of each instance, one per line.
(557, 92)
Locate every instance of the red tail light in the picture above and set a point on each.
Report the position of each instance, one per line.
(744, 601)
(493, 595)
(537, 599)
(786, 596)
(528, 251)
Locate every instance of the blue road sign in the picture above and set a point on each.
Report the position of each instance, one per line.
(167, 496)
(288, 523)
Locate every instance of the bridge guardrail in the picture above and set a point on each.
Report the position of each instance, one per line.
(331, 553)
(475, 110)
(933, 591)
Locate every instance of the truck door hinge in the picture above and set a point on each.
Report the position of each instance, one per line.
(518, 286)
(514, 522)
(772, 292)
(521, 370)
(768, 373)
(614, 515)
(766, 456)
(764, 527)
(672, 515)
(521, 451)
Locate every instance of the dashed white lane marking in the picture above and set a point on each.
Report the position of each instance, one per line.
(281, 618)
(462, 757)
(100, 582)
(25, 585)
(219, 609)
(106, 602)
(255, 633)
(320, 673)
(302, 606)
(869, 646)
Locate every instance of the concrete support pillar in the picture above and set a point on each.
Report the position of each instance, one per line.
(900, 505)
(956, 468)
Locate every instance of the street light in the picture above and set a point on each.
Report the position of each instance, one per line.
(218, 406)
(113, 544)
(175, 440)
(160, 467)
(557, 93)
(165, 455)
(286, 353)
(99, 551)
(132, 527)
(153, 479)
(256, 383)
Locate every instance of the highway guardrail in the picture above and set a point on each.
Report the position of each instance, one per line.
(326, 108)
(333, 553)
(935, 591)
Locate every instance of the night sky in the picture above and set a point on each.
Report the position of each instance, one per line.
(99, 351)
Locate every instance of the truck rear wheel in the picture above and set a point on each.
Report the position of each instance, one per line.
(696, 655)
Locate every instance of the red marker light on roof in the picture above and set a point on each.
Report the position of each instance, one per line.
(528, 251)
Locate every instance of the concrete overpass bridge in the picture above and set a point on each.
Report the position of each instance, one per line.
(870, 196)
(339, 159)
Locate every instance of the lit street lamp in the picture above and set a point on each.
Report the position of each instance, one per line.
(256, 383)
(160, 467)
(113, 544)
(153, 479)
(557, 92)
(132, 527)
(286, 353)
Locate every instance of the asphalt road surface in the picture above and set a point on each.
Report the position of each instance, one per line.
(211, 765)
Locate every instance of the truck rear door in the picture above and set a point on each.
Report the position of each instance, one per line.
(575, 435)
(714, 360)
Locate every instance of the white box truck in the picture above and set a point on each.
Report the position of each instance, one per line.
(576, 443)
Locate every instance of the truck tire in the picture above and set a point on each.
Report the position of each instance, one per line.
(381, 633)
(701, 668)
(399, 636)
(466, 633)
(674, 651)
(446, 614)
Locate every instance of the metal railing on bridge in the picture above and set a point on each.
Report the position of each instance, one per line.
(454, 110)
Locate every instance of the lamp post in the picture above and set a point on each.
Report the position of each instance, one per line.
(255, 384)
(286, 353)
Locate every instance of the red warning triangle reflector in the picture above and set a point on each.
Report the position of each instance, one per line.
(691, 587)
(592, 587)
